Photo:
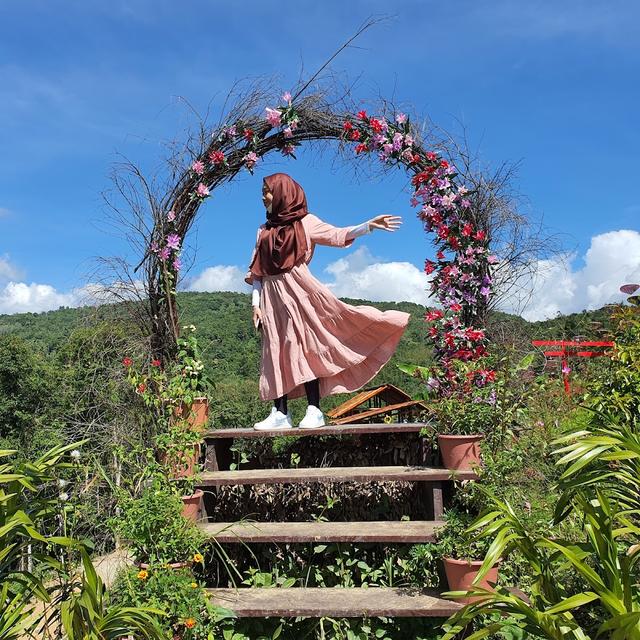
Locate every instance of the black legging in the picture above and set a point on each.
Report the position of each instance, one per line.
(313, 396)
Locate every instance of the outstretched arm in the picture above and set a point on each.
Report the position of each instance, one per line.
(386, 222)
(324, 233)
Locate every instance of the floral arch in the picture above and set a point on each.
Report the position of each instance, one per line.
(461, 279)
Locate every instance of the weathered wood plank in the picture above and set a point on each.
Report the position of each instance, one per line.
(329, 430)
(331, 474)
(415, 531)
(343, 603)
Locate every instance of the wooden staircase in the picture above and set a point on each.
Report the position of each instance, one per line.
(336, 602)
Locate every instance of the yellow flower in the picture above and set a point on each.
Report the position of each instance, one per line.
(194, 585)
(198, 557)
(189, 623)
(143, 574)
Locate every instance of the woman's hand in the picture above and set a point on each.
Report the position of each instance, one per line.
(385, 222)
(257, 317)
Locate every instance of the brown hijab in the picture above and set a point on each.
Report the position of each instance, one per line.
(282, 244)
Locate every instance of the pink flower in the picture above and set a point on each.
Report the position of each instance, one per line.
(273, 117)
(401, 118)
(293, 124)
(288, 133)
(173, 241)
(202, 190)
(408, 140)
(198, 167)
(230, 132)
(492, 260)
(465, 203)
(177, 264)
(288, 150)
(286, 96)
(154, 246)
(566, 369)
(164, 254)
(171, 216)
(250, 159)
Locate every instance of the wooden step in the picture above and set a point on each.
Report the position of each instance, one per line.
(329, 430)
(336, 602)
(331, 474)
(413, 531)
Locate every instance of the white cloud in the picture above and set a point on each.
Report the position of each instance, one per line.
(360, 275)
(8, 271)
(613, 259)
(220, 278)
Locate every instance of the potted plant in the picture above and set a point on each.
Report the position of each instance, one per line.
(463, 554)
(155, 529)
(461, 424)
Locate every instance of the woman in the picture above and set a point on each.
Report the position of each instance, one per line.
(311, 342)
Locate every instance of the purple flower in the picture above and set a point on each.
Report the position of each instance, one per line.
(171, 216)
(286, 96)
(250, 159)
(566, 369)
(288, 133)
(230, 132)
(154, 246)
(164, 254)
(408, 140)
(485, 291)
(465, 203)
(388, 148)
(397, 141)
(177, 264)
(288, 150)
(173, 241)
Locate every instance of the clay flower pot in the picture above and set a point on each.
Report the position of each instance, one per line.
(196, 414)
(182, 464)
(462, 573)
(192, 505)
(461, 453)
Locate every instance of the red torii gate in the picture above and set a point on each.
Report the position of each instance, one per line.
(571, 349)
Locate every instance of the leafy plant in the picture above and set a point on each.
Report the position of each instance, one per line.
(87, 612)
(154, 526)
(188, 612)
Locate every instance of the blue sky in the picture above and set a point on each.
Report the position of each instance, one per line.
(551, 84)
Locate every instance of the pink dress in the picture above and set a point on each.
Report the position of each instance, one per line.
(307, 333)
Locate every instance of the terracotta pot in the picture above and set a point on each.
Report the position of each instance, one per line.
(192, 505)
(196, 414)
(170, 565)
(461, 453)
(461, 574)
(182, 464)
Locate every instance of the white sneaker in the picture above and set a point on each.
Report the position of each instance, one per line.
(313, 419)
(275, 420)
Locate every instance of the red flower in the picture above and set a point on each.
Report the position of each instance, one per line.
(430, 155)
(467, 229)
(361, 148)
(362, 115)
(440, 255)
(347, 126)
(433, 314)
(248, 134)
(127, 362)
(415, 158)
(444, 164)
(443, 231)
(142, 387)
(480, 235)
(429, 267)
(355, 135)
(155, 363)
(454, 243)
(456, 307)
(376, 125)
(217, 157)
(433, 331)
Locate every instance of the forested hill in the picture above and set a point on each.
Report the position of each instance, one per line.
(224, 326)
(231, 347)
